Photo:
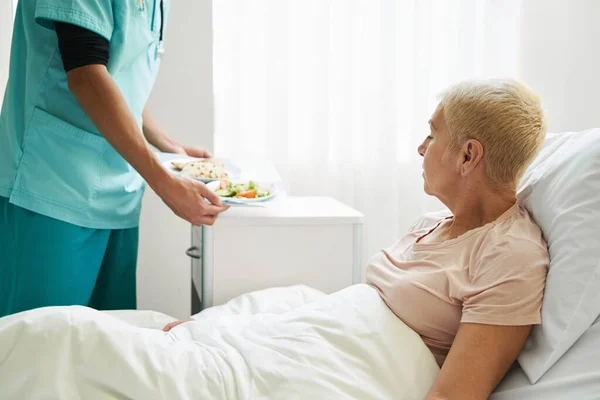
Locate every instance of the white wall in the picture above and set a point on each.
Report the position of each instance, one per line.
(182, 102)
(560, 59)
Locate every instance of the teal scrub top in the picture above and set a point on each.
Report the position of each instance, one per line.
(53, 160)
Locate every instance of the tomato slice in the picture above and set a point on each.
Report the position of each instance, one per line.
(250, 194)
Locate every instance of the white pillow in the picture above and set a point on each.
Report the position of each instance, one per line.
(561, 190)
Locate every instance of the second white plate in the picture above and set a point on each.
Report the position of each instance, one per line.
(214, 186)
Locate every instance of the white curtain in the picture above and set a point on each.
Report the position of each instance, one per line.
(338, 93)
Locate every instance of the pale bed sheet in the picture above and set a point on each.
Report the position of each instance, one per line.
(575, 376)
(347, 345)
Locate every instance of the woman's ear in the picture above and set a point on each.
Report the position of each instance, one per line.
(471, 155)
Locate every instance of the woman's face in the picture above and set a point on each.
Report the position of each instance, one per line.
(439, 170)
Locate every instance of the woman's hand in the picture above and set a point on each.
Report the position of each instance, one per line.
(175, 323)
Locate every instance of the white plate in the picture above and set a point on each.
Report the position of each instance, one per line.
(214, 186)
(172, 169)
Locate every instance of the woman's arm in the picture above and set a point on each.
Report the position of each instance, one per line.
(173, 324)
(479, 358)
(159, 138)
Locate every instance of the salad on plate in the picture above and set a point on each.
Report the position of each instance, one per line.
(246, 191)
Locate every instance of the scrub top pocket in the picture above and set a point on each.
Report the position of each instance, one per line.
(60, 163)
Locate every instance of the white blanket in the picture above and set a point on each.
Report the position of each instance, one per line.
(292, 343)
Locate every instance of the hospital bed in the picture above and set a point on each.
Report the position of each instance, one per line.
(299, 343)
(561, 190)
(576, 376)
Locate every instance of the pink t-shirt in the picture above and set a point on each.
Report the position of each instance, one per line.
(494, 274)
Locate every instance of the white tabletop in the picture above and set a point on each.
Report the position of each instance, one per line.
(295, 210)
(284, 210)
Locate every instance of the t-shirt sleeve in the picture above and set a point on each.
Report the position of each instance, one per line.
(80, 47)
(93, 15)
(508, 285)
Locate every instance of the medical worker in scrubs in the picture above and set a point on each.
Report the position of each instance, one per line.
(75, 151)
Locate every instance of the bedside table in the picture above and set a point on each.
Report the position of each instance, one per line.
(316, 241)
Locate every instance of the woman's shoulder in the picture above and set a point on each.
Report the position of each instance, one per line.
(519, 227)
(517, 239)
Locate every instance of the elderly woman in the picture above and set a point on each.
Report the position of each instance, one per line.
(470, 280)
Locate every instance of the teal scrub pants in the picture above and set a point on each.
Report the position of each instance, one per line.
(47, 262)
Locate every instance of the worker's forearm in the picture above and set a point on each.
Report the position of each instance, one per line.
(157, 136)
(101, 99)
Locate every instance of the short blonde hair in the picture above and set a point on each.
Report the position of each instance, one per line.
(505, 116)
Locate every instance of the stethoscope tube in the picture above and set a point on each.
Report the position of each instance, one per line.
(161, 47)
(162, 19)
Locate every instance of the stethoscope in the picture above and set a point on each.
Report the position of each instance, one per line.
(161, 47)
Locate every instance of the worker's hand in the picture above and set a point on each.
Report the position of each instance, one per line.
(185, 196)
(194, 151)
(175, 323)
